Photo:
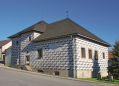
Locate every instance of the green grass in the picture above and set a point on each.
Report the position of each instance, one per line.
(0, 59)
(105, 81)
(7, 65)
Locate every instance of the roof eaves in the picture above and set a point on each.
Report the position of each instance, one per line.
(16, 35)
(75, 34)
(53, 38)
(94, 40)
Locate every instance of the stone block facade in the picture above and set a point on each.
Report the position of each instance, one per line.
(58, 55)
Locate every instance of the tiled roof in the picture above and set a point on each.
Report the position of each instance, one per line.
(4, 42)
(110, 55)
(40, 27)
(60, 28)
(66, 27)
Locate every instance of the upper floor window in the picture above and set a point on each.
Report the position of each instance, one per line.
(103, 54)
(90, 53)
(39, 54)
(29, 38)
(96, 55)
(17, 42)
(82, 52)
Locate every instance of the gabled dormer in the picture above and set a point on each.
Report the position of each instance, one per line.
(37, 28)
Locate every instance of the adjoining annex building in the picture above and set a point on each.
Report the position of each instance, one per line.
(59, 48)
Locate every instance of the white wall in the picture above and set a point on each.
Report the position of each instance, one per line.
(8, 57)
(0, 52)
(91, 64)
(6, 46)
(36, 34)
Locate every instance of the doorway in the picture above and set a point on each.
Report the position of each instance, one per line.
(27, 60)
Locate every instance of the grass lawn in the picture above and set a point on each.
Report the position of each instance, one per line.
(0, 59)
(7, 65)
(105, 81)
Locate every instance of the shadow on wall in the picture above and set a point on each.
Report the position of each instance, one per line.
(70, 60)
(59, 50)
(96, 67)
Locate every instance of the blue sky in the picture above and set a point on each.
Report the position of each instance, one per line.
(101, 17)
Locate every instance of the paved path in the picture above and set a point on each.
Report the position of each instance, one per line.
(17, 78)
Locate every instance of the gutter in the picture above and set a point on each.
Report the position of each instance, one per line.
(94, 39)
(69, 35)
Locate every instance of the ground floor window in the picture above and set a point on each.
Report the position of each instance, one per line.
(96, 55)
(90, 53)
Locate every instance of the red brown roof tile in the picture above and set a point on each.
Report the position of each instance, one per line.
(4, 42)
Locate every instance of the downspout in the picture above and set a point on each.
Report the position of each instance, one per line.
(19, 48)
(73, 53)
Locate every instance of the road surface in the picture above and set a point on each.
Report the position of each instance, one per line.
(15, 78)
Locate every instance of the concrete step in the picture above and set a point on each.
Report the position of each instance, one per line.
(28, 67)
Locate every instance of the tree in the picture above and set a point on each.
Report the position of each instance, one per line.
(114, 68)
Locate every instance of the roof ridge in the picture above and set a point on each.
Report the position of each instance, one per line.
(58, 21)
(33, 25)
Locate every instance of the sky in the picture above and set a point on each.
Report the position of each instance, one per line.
(100, 17)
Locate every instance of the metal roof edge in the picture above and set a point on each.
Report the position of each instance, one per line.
(94, 40)
(75, 34)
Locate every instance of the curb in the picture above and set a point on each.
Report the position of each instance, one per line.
(68, 78)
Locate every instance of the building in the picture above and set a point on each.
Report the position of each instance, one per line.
(61, 48)
(8, 56)
(4, 45)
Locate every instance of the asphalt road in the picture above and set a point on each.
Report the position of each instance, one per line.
(15, 78)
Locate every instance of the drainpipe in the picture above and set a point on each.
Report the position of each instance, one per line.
(19, 48)
(73, 53)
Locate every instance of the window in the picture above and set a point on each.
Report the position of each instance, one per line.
(17, 42)
(27, 51)
(103, 54)
(27, 58)
(56, 73)
(40, 71)
(90, 54)
(39, 54)
(29, 39)
(96, 55)
(82, 52)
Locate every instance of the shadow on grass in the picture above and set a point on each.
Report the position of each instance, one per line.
(105, 81)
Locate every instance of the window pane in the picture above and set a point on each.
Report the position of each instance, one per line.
(83, 52)
(103, 55)
(30, 38)
(90, 54)
(96, 55)
(39, 53)
(16, 42)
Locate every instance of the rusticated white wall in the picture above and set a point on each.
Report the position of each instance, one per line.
(58, 54)
(91, 64)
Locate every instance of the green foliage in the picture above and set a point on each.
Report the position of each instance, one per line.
(114, 68)
(0, 59)
(103, 78)
(105, 81)
(113, 80)
(7, 65)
